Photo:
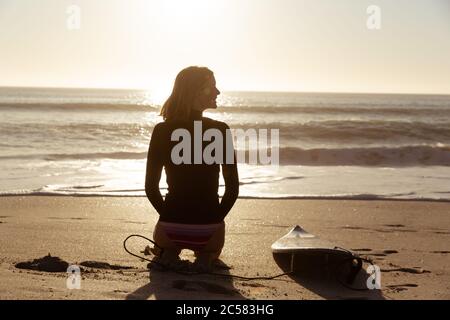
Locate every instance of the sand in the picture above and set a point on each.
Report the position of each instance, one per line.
(408, 240)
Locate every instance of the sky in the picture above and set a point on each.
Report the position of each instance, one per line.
(251, 45)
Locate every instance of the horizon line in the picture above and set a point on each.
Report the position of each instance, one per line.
(233, 90)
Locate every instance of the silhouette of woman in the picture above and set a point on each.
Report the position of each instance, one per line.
(191, 215)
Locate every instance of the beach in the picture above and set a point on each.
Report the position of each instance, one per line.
(326, 132)
(408, 240)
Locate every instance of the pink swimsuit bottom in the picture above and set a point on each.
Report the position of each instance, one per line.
(189, 236)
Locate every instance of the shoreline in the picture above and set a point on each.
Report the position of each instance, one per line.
(318, 198)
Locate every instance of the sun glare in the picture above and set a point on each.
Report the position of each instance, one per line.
(174, 14)
(185, 8)
(157, 96)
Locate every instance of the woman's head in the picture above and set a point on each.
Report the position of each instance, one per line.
(194, 89)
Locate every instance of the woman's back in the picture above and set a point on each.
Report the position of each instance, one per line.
(192, 196)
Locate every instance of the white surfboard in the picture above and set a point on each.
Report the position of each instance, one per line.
(299, 240)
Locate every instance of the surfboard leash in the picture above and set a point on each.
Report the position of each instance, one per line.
(190, 273)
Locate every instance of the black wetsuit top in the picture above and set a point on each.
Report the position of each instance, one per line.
(192, 196)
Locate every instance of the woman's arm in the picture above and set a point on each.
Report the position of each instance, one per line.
(231, 177)
(154, 170)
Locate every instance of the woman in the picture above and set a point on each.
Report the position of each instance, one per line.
(191, 216)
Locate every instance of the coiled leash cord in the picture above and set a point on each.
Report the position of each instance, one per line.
(351, 277)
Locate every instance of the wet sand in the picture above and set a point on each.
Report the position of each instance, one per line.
(408, 240)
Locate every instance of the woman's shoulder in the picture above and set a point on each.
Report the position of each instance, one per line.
(168, 125)
(215, 124)
(161, 129)
(160, 126)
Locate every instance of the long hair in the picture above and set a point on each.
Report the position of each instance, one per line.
(187, 85)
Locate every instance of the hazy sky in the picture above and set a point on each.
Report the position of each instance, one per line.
(278, 45)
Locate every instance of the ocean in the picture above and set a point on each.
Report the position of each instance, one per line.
(85, 142)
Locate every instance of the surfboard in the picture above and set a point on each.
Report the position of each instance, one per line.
(299, 240)
(302, 252)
